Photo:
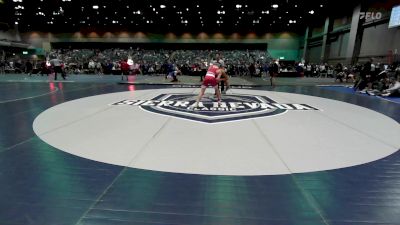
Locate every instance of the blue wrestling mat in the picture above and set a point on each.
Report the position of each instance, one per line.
(110, 154)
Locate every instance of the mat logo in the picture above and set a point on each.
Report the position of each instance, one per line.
(232, 108)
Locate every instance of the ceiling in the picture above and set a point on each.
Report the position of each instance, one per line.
(162, 16)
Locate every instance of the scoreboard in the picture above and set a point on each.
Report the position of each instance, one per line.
(395, 17)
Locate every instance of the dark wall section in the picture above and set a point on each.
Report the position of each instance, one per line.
(377, 40)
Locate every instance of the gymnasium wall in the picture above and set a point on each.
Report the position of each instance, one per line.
(338, 46)
(379, 40)
(314, 54)
(10, 35)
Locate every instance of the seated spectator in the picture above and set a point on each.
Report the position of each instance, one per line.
(394, 88)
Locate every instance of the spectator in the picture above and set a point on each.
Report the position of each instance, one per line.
(394, 88)
(56, 64)
(2, 66)
(28, 67)
(274, 70)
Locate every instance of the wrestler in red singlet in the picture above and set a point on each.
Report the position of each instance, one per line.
(211, 79)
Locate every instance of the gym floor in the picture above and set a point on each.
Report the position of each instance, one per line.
(68, 157)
